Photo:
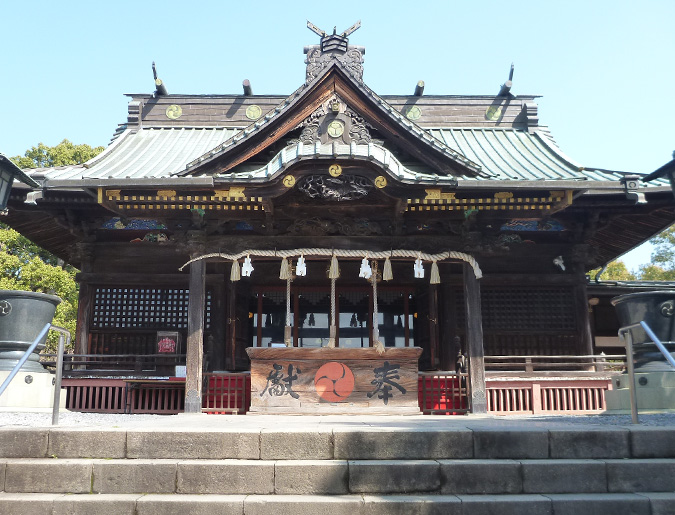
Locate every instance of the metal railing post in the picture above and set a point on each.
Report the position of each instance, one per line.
(627, 337)
(63, 334)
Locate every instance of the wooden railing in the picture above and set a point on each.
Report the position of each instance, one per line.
(227, 393)
(443, 393)
(590, 363)
(78, 365)
(560, 396)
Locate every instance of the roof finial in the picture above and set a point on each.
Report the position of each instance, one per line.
(506, 87)
(160, 89)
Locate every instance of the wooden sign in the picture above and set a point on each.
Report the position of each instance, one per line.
(167, 342)
(338, 381)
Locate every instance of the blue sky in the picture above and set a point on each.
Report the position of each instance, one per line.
(604, 68)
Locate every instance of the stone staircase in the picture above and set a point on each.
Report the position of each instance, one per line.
(417, 467)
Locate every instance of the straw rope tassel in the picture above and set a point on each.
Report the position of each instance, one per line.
(235, 274)
(435, 276)
(379, 346)
(333, 274)
(288, 336)
(387, 274)
(283, 271)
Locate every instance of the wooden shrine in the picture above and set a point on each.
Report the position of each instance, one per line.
(239, 222)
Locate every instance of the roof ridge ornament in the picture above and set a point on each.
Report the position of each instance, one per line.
(333, 47)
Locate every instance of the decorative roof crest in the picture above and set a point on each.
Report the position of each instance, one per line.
(333, 47)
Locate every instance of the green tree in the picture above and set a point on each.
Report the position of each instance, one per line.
(615, 271)
(25, 266)
(28, 267)
(664, 249)
(65, 153)
(654, 272)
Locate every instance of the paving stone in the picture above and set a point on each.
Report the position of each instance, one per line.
(643, 475)
(412, 505)
(499, 443)
(564, 476)
(311, 477)
(48, 475)
(589, 443)
(73, 443)
(302, 504)
(102, 504)
(24, 443)
(225, 477)
(599, 504)
(134, 476)
(480, 477)
(163, 504)
(296, 445)
(660, 503)
(27, 504)
(193, 445)
(652, 442)
(396, 444)
(505, 505)
(394, 476)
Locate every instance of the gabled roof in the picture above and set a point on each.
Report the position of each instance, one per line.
(334, 79)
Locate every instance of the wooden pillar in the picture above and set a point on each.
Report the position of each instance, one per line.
(218, 327)
(231, 331)
(84, 306)
(433, 326)
(474, 340)
(583, 320)
(195, 339)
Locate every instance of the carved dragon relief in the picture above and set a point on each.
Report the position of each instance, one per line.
(318, 60)
(335, 189)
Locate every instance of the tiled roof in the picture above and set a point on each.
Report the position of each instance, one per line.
(144, 153)
(517, 155)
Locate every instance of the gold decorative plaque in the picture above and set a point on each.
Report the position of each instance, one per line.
(493, 113)
(413, 113)
(503, 194)
(335, 170)
(253, 112)
(380, 181)
(173, 112)
(289, 181)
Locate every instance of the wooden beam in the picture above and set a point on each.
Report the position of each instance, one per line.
(195, 339)
(474, 341)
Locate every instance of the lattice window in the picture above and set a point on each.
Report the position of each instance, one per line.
(524, 309)
(144, 308)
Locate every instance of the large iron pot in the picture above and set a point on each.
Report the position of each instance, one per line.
(657, 309)
(23, 314)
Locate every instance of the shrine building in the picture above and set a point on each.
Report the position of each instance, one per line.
(332, 217)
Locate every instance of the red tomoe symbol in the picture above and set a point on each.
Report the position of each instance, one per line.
(334, 381)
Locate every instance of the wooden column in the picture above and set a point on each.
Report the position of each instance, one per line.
(85, 303)
(584, 321)
(433, 326)
(218, 327)
(195, 339)
(474, 340)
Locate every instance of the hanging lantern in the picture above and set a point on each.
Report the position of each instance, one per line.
(435, 277)
(419, 268)
(247, 267)
(387, 274)
(301, 267)
(234, 273)
(366, 271)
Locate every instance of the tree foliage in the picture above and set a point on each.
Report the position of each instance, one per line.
(615, 271)
(65, 153)
(664, 249)
(28, 267)
(25, 266)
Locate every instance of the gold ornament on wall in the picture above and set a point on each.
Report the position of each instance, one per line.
(289, 181)
(335, 170)
(173, 112)
(380, 181)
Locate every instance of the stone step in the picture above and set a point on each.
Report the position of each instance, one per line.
(406, 442)
(336, 477)
(656, 503)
